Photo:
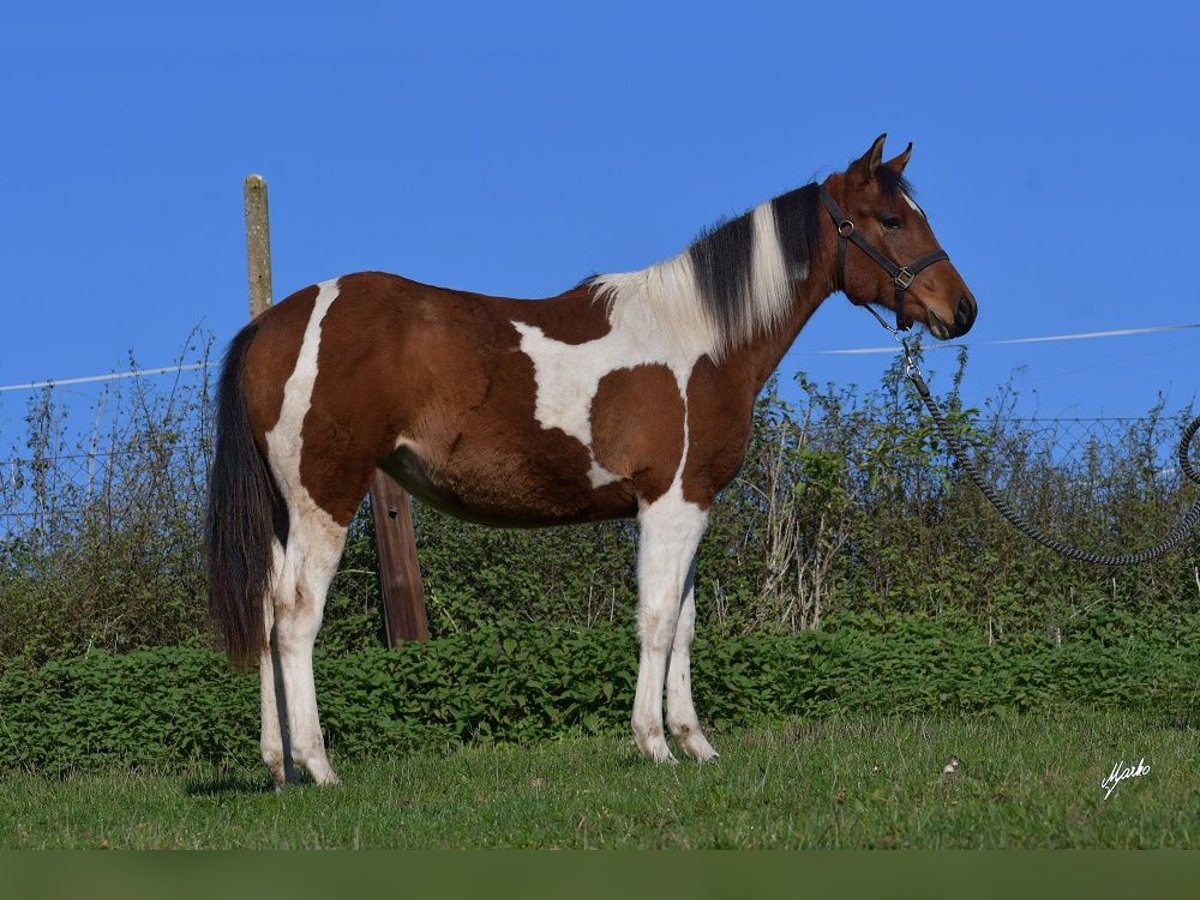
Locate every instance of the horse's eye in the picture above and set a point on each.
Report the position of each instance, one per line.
(891, 222)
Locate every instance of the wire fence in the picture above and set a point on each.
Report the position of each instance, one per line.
(42, 495)
(132, 446)
(143, 442)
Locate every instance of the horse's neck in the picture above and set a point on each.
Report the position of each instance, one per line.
(756, 360)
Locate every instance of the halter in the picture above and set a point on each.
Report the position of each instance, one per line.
(902, 276)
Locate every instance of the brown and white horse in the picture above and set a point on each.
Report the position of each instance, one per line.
(628, 395)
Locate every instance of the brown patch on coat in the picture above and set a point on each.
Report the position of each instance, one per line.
(720, 406)
(637, 427)
(493, 462)
(371, 383)
(575, 317)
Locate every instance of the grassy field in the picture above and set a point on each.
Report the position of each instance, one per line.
(1031, 781)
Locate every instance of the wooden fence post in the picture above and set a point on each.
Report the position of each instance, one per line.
(258, 243)
(399, 573)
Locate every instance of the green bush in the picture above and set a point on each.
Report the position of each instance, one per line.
(102, 547)
(521, 682)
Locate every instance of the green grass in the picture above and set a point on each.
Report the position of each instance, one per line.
(862, 781)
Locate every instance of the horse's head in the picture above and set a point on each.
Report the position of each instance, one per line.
(887, 253)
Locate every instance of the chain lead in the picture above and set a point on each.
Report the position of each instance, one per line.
(1176, 536)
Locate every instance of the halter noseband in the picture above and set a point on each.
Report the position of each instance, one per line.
(902, 276)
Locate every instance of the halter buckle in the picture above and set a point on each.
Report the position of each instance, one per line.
(904, 278)
(845, 228)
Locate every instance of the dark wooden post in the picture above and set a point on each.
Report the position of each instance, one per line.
(399, 573)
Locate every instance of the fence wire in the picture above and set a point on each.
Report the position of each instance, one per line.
(96, 462)
(155, 451)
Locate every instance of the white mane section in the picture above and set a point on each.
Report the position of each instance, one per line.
(666, 300)
(662, 300)
(770, 293)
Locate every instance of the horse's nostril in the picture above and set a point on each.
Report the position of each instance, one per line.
(965, 314)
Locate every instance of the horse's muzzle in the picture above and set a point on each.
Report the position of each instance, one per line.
(964, 315)
(964, 318)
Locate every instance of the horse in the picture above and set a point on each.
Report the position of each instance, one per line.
(629, 395)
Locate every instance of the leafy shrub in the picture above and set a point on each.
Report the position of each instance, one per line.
(521, 682)
(102, 546)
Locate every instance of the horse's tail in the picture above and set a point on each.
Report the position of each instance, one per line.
(242, 503)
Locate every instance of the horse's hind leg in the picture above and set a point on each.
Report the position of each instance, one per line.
(274, 716)
(681, 711)
(670, 530)
(314, 545)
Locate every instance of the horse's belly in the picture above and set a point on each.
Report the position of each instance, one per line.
(509, 489)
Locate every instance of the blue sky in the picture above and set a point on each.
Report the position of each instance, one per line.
(513, 148)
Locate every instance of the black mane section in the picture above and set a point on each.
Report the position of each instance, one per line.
(797, 223)
(722, 258)
(892, 181)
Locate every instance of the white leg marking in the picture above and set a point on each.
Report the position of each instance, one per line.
(681, 711)
(313, 550)
(314, 546)
(271, 737)
(670, 530)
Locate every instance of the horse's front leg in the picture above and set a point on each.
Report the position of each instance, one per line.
(681, 710)
(670, 529)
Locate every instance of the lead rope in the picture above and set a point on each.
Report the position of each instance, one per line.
(1174, 538)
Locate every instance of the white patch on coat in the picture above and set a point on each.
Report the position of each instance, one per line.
(913, 203)
(284, 441)
(567, 377)
(599, 476)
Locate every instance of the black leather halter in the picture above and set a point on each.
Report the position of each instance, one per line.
(902, 276)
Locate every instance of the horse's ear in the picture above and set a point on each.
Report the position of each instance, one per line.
(868, 164)
(898, 163)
